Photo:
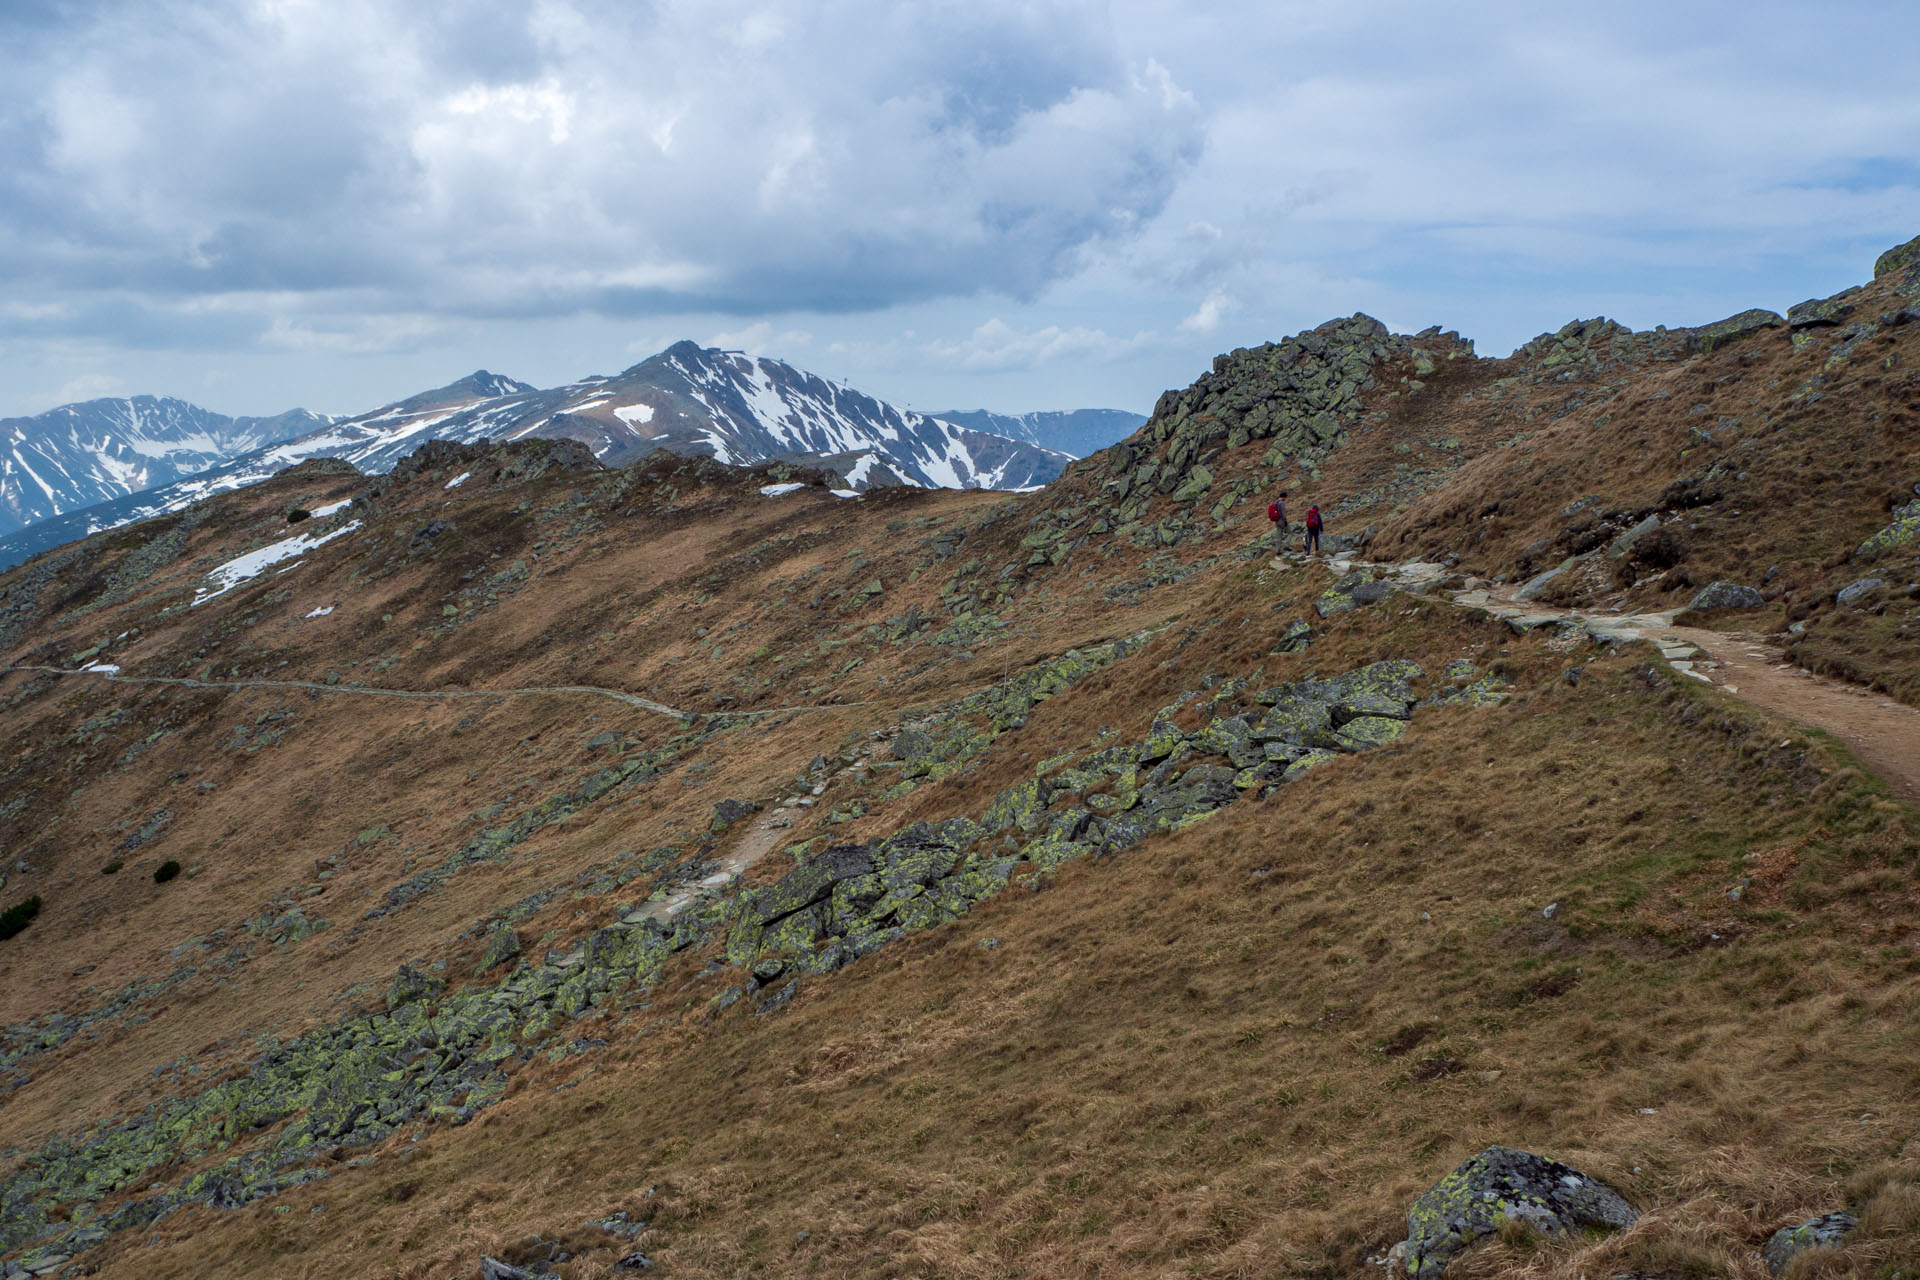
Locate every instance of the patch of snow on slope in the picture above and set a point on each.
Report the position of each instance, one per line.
(844, 493)
(322, 611)
(857, 473)
(251, 565)
(104, 668)
(457, 481)
(634, 413)
(775, 490)
(321, 513)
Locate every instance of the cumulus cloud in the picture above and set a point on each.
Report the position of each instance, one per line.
(544, 157)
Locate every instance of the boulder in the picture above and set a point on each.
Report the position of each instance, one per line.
(1721, 332)
(494, 1269)
(1901, 257)
(1823, 1232)
(1904, 531)
(1296, 637)
(1502, 1185)
(410, 984)
(1854, 592)
(1536, 586)
(1351, 592)
(503, 944)
(1726, 595)
(1821, 313)
(1624, 543)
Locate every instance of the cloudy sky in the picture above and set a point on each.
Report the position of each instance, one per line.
(254, 204)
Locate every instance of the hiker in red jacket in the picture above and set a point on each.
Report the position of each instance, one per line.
(1282, 531)
(1313, 530)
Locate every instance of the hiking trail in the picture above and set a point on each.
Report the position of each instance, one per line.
(631, 699)
(1882, 734)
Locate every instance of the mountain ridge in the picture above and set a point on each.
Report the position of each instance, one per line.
(686, 399)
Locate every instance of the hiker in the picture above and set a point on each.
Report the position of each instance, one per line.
(1282, 531)
(1313, 530)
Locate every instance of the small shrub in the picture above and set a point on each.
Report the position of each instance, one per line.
(18, 916)
(166, 871)
(296, 515)
(112, 867)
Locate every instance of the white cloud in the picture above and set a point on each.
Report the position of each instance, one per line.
(997, 345)
(760, 338)
(1206, 317)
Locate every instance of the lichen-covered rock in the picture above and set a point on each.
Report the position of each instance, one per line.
(1362, 733)
(1902, 257)
(1854, 592)
(1308, 760)
(1733, 328)
(1502, 1185)
(1351, 592)
(410, 984)
(1727, 595)
(1904, 531)
(1823, 1232)
(1296, 637)
(1821, 313)
(503, 944)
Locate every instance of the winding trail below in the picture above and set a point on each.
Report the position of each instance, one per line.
(618, 695)
(1882, 734)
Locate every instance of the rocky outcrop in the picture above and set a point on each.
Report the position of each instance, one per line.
(439, 1055)
(1733, 328)
(1902, 264)
(1822, 313)
(1303, 393)
(1502, 1185)
(1823, 1232)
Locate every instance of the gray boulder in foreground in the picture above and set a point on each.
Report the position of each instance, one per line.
(1726, 595)
(1816, 1233)
(1503, 1185)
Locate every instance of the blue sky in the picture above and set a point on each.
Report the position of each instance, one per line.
(254, 204)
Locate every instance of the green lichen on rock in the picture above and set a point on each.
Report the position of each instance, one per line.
(1823, 1232)
(1902, 257)
(1904, 531)
(1501, 1186)
(1721, 332)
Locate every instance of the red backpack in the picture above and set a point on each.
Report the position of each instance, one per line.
(1313, 518)
(1273, 512)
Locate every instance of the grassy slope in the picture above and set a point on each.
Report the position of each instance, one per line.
(1171, 1064)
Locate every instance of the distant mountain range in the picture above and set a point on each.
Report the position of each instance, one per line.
(81, 455)
(1075, 431)
(82, 468)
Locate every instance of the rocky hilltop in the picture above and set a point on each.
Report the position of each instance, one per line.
(517, 864)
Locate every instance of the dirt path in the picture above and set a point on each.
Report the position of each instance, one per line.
(1882, 734)
(618, 695)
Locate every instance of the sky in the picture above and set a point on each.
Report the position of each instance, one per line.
(258, 204)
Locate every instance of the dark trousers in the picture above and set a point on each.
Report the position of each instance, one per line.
(1313, 540)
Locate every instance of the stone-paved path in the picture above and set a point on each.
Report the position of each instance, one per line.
(1882, 734)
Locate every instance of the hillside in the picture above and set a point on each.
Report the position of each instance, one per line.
(685, 861)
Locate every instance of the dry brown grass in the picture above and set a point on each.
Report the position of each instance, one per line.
(1173, 1064)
